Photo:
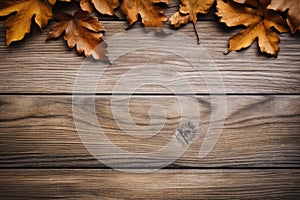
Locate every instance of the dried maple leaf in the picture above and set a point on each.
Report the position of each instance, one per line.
(54, 1)
(19, 23)
(188, 11)
(293, 14)
(151, 14)
(103, 6)
(258, 21)
(82, 30)
(254, 3)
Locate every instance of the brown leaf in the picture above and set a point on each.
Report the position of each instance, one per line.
(188, 11)
(293, 14)
(103, 6)
(151, 14)
(258, 22)
(252, 3)
(82, 30)
(54, 1)
(19, 23)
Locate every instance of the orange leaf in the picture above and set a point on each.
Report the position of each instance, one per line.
(54, 1)
(19, 23)
(103, 6)
(151, 14)
(293, 14)
(82, 30)
(252, 3)
(188, 12)
(258, 22)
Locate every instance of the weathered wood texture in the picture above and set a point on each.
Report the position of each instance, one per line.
(34, 66)
(169, 10)
(165, 184)
(260, 141)
(259, 131)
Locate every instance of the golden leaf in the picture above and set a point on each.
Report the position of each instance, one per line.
(258, 22)
(54, 1)
(83, 31)
(188, 11)
(103, 6)
(152, 15)
(293, 14)
(19, 23)
(252, 3)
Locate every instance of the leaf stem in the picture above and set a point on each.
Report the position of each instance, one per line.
(196, 32)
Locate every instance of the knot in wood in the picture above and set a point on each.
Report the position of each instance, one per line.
(186, 133)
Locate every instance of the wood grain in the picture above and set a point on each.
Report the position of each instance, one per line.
(25, 68)
(259, 131)
(165, 184)
(257, 155)
(169, 10)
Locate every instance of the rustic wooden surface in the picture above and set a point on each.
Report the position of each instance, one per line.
(165, 184)
(54, 69)
(256, 157)
(260, 131)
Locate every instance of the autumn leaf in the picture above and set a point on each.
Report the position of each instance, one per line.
(103, 6)
(252, 3)
(293, 14)
(19, 23)
(188, 11)
(152, 15)
(83, 31)
(259, 22)
(54, 1)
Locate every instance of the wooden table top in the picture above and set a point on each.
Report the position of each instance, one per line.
(257, 155)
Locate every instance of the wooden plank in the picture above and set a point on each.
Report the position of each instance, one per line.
(53, 69)
(169, 10)
(259, 131)
(165, 184)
